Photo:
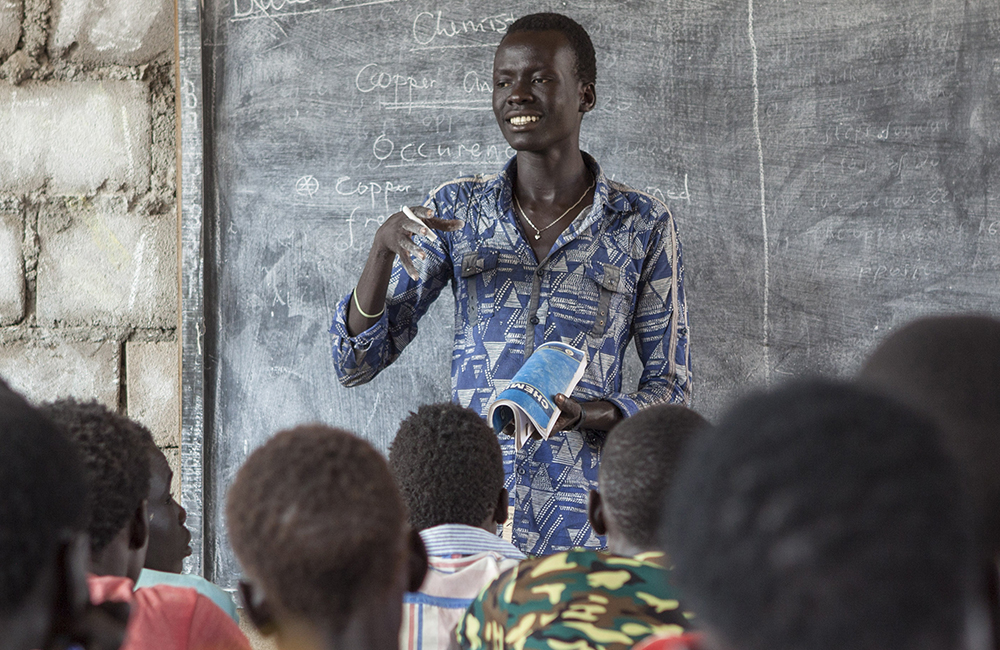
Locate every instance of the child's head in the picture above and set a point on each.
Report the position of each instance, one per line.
(43, 512)
(449, 468)
(169, 538)
(638, 463)
(821, 516)
(950, 367)
(115, 454)
(320, 530)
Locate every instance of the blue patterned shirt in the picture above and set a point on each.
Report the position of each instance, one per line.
(614, 274)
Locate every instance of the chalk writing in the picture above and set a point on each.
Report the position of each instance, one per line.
(409, 154)
(874, 274)
(306, 186)
(252, 9)
(428, 26)
(374, 190)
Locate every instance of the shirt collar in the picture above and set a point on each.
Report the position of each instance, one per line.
(459, 539)
(607, 194)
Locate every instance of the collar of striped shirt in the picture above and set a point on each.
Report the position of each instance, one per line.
(459, 539)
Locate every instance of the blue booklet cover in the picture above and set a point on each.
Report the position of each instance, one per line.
(526, 406)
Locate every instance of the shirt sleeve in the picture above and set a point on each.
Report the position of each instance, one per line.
(660, 327)
(357, 359)
(212, 629)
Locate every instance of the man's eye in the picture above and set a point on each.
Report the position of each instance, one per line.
(540, 80)
(501, 84)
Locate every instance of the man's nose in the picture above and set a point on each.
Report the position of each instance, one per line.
(520, 92)
(182, 514)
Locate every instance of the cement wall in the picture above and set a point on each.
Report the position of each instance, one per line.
(88, 224)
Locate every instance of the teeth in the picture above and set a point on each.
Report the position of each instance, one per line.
(521, 120)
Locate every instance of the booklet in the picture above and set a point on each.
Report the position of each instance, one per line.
(526, 406)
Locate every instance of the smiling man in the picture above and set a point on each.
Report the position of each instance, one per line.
(548, 249)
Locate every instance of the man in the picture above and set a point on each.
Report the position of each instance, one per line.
(115, 454)
(548, 249)
(590, 600)
(321, 533)
(449, 469)
(43, 541)
(949, 366)
(822, 517)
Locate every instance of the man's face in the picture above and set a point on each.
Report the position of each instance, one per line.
(169, 539)
(537, 98)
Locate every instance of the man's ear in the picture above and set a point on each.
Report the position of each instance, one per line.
(417, 561)
(588, 98)
(138, 527)
(595, 513)
(258, 607)
(501, 513)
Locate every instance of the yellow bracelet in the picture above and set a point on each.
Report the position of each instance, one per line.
(362, 311)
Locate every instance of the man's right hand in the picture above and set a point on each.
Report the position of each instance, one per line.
(395, 236)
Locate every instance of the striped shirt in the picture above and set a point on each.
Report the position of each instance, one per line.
(614, 275)
(463, 560)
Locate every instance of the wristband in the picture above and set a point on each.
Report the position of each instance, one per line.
(362, 311)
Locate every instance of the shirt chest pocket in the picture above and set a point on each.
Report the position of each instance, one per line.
(615, 293)
(479, 275)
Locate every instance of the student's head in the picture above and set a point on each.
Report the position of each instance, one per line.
(449, 468)
(43, 510)
(585, 61)
(320, 531)
(638, 463)
(169, 538)
(950, 366)
(821, 516)
(115, 454)
(543, 82)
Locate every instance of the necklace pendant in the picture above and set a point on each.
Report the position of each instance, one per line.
(538, 236)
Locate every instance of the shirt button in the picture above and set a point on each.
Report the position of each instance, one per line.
(520, 470)
(539, 272)
(533, 320)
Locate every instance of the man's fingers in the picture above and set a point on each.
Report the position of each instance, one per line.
(411, 247)
(447, 225)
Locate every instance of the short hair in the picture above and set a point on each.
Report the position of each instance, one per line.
(448, 466)
(638, 463)
(579, 39)
(950, 367)
(822, 516)
(313, 515)
(115, 455)
(44, 496)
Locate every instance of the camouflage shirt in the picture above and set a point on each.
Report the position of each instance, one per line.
(575, 600)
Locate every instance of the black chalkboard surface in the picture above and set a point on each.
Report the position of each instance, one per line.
(832, 166)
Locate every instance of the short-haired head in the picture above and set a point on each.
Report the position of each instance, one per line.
(115, 455)
(638, 463)
(448, 465)
(579, 39)
(822, 516)
(316, 521)
(44, 496)
(950, 367)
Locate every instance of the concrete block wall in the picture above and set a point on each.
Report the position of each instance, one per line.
(88, 225)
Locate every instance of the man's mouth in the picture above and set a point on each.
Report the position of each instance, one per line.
(521, 120)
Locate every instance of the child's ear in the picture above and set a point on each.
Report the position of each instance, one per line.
(258, 607)
(417, 563)
(138, 532)
(71, 592)
(595, 513)
(500, 514)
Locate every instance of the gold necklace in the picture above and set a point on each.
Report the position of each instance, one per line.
(538, 233)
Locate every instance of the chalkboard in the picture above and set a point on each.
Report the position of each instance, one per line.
(831, 165)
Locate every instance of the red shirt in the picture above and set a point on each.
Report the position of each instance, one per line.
(169, 618)
(689, 641)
